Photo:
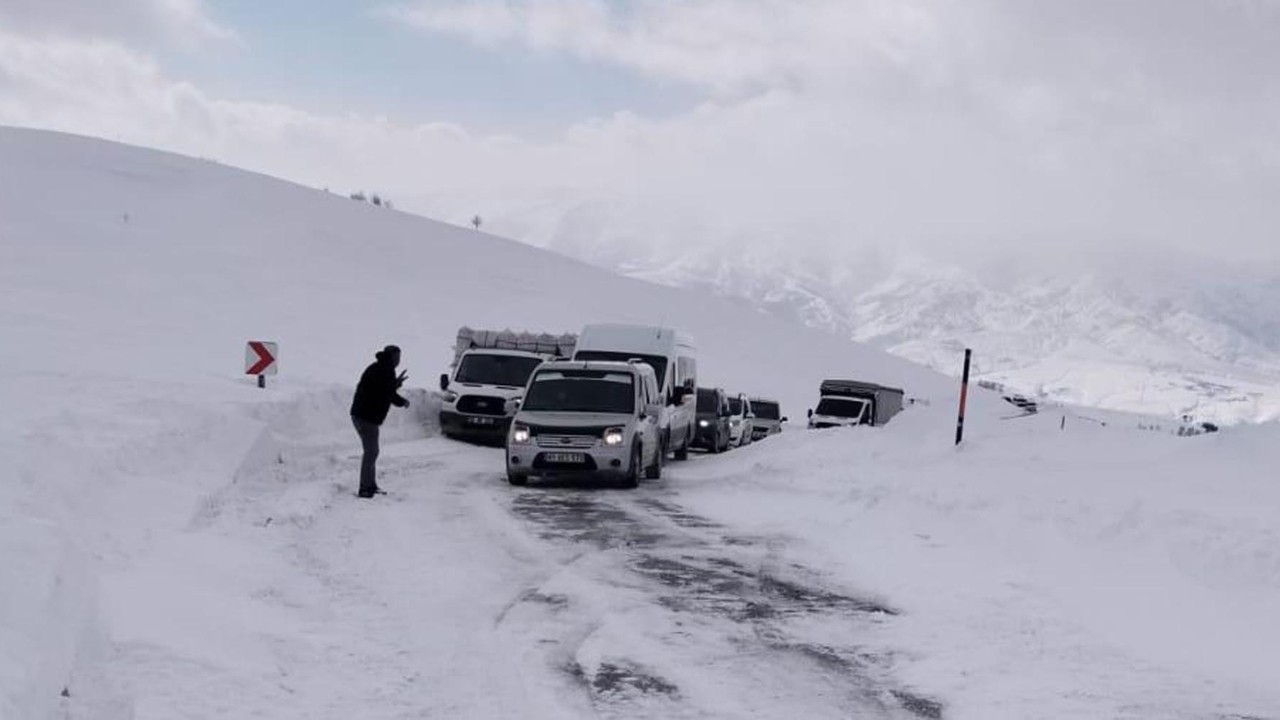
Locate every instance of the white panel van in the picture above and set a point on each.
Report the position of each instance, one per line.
(674, 360)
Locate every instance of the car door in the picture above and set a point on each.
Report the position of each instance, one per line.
(650, 426)
(724, 418)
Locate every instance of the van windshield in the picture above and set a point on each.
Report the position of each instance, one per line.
(509, 370)
(841, 407)
(708, 401)
(735, 406)
(657, 362)
(585, 391)
(767, 410)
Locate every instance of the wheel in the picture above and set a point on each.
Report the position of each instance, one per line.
(682, 453)
(654, 471)
(632, 478)
(517, 479)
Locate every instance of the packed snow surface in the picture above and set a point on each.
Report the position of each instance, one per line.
(175, 542)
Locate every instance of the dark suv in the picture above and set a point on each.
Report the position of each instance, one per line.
(713, 432)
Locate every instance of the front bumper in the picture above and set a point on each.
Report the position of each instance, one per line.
(758, 432)
(604, 461)
(705, 437)
(465, 424)
(824, 423)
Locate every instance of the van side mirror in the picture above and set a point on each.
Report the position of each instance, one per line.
(784, 419)
(444, 381)
(810, 412)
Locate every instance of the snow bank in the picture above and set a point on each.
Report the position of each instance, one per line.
(95, 491)
(1034, 560)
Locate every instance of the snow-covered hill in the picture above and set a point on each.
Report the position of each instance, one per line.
(175, 542)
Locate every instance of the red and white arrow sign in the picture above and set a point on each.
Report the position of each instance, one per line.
(260, 358)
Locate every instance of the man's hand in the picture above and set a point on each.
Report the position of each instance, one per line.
(404, 375)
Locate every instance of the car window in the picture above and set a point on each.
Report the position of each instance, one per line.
(708, 400)
(767, 411)
(841, 407)
(505, 370)
(581, 391)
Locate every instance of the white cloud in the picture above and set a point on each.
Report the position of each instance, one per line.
(173, 22)
(991, 127)
(726, 45)
(941, 122)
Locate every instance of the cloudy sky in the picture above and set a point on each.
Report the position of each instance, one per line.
(816, 124)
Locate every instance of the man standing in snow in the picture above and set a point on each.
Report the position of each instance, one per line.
(375, 395)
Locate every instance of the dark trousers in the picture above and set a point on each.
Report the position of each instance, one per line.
(368, 433)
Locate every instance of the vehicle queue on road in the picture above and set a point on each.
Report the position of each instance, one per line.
(614, 401)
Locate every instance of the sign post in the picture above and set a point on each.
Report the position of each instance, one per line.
(260, 359)
(964, 395)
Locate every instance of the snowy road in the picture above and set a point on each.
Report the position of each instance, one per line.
(459, 596)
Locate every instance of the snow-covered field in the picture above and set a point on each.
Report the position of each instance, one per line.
(175, 542)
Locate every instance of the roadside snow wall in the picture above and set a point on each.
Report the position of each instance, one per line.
(95, 486)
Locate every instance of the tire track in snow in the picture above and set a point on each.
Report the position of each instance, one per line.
(721, 616)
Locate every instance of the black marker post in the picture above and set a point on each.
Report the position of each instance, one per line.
(964, 395)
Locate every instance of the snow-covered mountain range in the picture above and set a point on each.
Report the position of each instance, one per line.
(1165, 335)
(1158, 343)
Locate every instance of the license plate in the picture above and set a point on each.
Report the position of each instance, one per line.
(481, 421)
(567, 458)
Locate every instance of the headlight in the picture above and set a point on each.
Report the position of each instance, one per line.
(735, 423)
(520, 435)
(449, 396)
(704, 423)
(613, 436)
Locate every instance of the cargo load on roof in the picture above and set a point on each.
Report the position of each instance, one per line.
(553, 346)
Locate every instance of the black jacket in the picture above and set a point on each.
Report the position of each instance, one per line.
(376, 393)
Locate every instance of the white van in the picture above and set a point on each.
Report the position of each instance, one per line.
(673, 358)
(588, 418)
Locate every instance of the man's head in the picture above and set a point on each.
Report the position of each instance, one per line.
(389, 355)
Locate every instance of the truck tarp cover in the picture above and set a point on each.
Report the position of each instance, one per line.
(886, 401)
(541, 343)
